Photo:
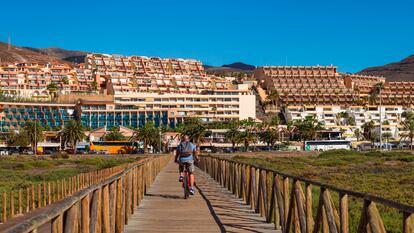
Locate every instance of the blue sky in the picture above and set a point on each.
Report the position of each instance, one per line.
(349, 34)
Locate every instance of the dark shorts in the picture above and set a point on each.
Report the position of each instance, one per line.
(188, 163)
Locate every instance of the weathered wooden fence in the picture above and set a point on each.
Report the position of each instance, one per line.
(286, 200)
(98, 202)
(23, 201)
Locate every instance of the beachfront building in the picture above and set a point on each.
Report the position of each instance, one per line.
(341, 102)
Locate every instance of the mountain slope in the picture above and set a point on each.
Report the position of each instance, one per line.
(230, 68)
(21, 54)
(397, 71)
(63, 54)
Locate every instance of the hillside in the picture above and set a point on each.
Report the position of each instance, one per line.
(397, 71)
(230, 68)
(22, 54)
(63, 54)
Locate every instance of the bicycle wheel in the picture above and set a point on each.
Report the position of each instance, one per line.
(186, 188)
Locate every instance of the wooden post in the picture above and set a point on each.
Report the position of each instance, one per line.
(309, 217)
(96, 212)
(286, 197)
(343, 211)
(106, 228)
(49, 200)
(119, 212)
(112, 205)
(85, 215)
(44, 194)
(39, 196)
(72, 220)
(27, 200)
(20, 201)
(57, 224)
(408, 226)
(33, 198)
(11, 204)
(4, 215)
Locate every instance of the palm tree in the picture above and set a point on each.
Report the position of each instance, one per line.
(34, 133)
(408, 127)
(147, 134)
(246, 137)
(94, 86)
(233, 135)
(357, 134)
(273, 97)
(72, 133)
(52, 88)
(367, 127)
(214, 109)
(376, 91)
(309, 127)
(115, 135)
(196, 130)
(269, 136)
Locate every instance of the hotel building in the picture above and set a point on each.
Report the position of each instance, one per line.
(328, 95)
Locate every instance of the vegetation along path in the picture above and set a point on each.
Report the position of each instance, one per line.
(211, 209)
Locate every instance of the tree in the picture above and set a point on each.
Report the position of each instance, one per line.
(52, 88)
(408, 127)
(367, 127)
(17, 139)
(94, 86)
(34, 133)
(214, 109)
(274, 121)
(273, 97)
(115, 135)
(196, 130)
(309, 127)
(233, 135)
(357, 134)
(246, 137)
(387, 136)
(72, 133)
(147, 134)
(270, 136)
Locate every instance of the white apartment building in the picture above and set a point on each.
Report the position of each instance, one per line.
(332, 117)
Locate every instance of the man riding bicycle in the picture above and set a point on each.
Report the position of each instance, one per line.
(185, 155)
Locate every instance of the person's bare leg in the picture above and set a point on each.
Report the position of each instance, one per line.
(192, 180)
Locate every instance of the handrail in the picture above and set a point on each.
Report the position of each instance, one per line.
(294, 210)
(105, 205)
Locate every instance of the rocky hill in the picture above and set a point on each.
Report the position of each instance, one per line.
(21, 54)
(238, 67)
(397, 71)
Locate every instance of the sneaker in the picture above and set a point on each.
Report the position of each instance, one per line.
(192, 191)
(181, 179)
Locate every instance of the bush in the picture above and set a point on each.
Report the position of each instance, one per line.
(340, 152)
(60, 155)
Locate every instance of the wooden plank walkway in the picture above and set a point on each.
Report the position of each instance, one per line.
(212, 209)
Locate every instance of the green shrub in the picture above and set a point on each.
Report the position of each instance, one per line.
(340, 152)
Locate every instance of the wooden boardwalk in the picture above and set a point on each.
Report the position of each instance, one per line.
(212, 209)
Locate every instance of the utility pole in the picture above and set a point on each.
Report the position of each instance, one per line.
(35, 137)
(380, 120)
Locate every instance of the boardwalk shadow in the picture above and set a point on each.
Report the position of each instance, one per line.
(229, 212)
(167, 196)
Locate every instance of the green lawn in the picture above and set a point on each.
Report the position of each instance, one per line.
(386, 174)
(20, 171)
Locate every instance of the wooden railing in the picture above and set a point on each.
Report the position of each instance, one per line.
(103, 206)
(17, 203)
(286, 200)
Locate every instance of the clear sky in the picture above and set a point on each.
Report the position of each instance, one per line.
(349, 34)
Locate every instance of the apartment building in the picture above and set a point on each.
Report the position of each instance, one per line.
(31, 81)
(305, 85)
(347, 119)
(15, 115)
